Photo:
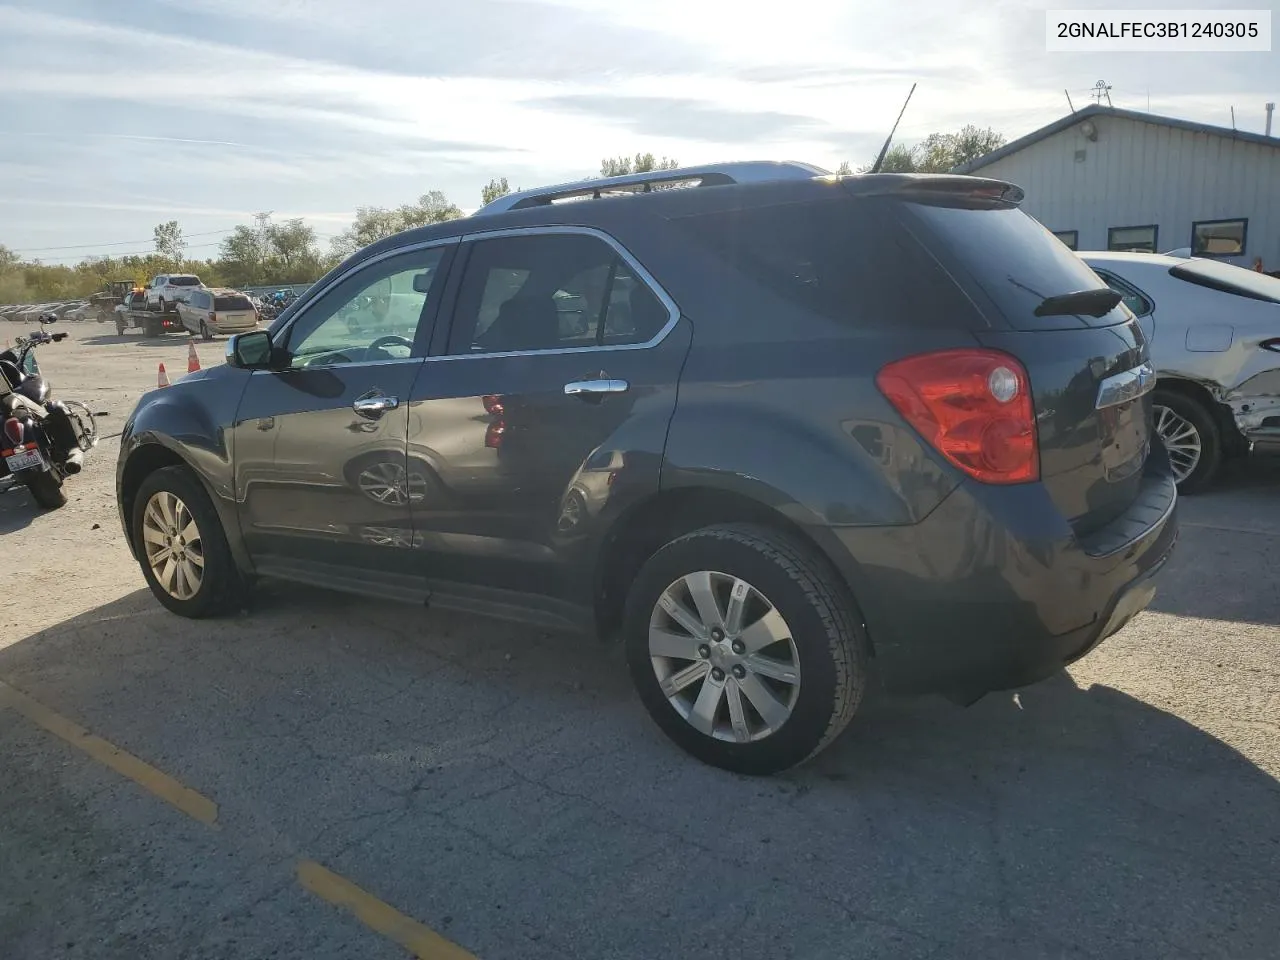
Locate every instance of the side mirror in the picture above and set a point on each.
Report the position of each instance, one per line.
(422, 281)
(250, 351)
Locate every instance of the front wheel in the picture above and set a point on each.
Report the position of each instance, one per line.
(1190, 436)
(182, 548)
(744, 648)
(46, 489)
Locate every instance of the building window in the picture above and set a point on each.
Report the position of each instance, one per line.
(1133, 239)
(1070, 237)
(1219, 238)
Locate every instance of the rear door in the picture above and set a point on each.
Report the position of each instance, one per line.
(320, 467)
(538, 415)
(1090, 376)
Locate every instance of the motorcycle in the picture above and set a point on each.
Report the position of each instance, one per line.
(42, 440)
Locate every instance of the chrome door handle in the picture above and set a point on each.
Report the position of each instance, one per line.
(373, 405)
(592, 388)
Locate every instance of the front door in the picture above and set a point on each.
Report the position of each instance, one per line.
(321, 473)
(547, 404)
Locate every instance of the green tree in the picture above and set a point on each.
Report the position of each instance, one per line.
(640, 163)
(375, 223)
(169, 242)
(939, 152)
(844, 169)
(942, 152)
(246, 252)
(494, 189)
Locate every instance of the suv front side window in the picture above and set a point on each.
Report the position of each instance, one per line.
(551, 291)
(374, 314)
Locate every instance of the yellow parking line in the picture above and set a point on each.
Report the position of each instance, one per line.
(422, 942)
(109, 755)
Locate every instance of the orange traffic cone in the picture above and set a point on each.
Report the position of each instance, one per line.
(193, 360)
(162, 378)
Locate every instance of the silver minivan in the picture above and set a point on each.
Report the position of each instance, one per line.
(207, 312)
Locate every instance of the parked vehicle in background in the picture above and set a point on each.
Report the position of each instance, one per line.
(42, 440)
(218, 310)
(112, 295)
(1215, 342)
(135, 313)
(772, 429)
(165, 291)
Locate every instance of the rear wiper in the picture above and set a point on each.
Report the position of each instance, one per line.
(1091, 303)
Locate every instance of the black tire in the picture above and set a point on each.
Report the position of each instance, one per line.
(153, 327)
(1209, 435)
(46, 489)
(825, 630)
(204, 331)
(120, 328)
(222, 589)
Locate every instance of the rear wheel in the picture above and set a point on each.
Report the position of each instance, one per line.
(204, 331)
(46, 489)
(120, 328)
(182, 547)
(744, 648)
(1192, 438)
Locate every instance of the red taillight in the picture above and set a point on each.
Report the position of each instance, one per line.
(493, 435)
(973, 406)
(493, 405)
(13, 431)
(213, 318)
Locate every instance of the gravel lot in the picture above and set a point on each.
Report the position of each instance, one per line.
(503, 787)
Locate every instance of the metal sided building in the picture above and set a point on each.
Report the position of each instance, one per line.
(1109, 179)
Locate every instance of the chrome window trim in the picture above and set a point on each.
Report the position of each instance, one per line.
(673, 311)
(1124, 387)
(305, 308)
(338, 366)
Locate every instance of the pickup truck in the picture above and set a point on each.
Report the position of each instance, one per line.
(165, 290)
(135, 312)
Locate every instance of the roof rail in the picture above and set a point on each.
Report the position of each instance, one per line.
(711, 175)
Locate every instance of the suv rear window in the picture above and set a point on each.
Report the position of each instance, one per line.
(1015, 261)
(1229, 279)
(233, 302)
(849, 259)
(184, 281)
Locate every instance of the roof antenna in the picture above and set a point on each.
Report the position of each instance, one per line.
(1069, 103)
(1233, 119)
(875, 168)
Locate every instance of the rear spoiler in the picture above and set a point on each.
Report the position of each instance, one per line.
(937, 186)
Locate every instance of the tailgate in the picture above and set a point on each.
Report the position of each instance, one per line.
(1090, 375)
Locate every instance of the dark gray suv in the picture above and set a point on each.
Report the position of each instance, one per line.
(784, 432)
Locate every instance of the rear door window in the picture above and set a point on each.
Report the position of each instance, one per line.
(1015, 261)
(232, 302)
(184, 281)
(852, 260)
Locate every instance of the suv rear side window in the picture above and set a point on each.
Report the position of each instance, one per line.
(1016, 262)
(551, 291)
(852, 260)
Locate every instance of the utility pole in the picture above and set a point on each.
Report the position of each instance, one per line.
(1101, 89)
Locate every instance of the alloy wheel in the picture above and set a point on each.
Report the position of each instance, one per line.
(388, 482)
(1181, 440)
(174, 550)
(724, 657)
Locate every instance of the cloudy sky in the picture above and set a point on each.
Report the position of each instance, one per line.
(118, 114)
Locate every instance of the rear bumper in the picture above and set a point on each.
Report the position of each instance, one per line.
(993, 590)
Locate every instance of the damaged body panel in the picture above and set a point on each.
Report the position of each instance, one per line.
(1215, 338)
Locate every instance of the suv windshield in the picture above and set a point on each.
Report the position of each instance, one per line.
(184, 281)
(1229, 279)
(1016, 262)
